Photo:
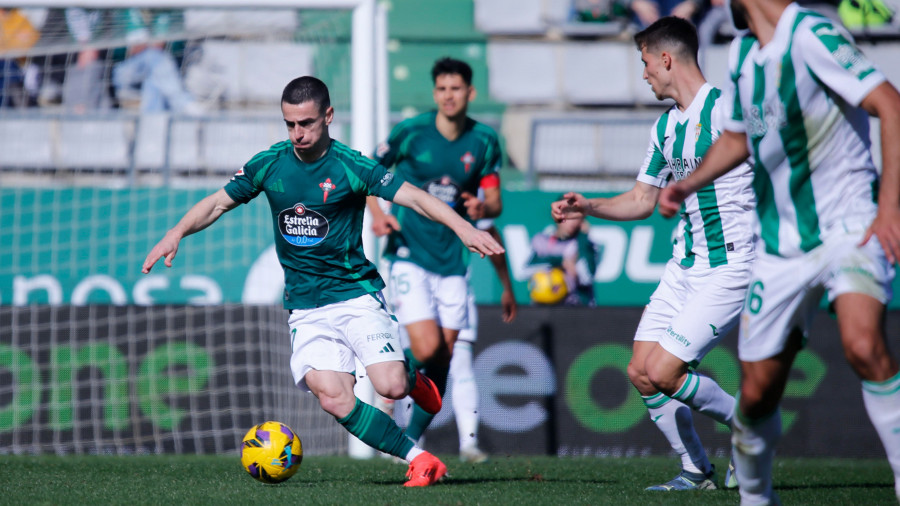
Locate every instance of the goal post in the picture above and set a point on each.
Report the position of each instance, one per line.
(96, 358)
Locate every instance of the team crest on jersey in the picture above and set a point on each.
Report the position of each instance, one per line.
(468, 160)
(326, 187)
(697, 131)
(302, 226)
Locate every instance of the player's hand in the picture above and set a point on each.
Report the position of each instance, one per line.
(167, 247)
(385, 224)
(670, 199)
(886, 226)
(573, 205)
(474, 206)
(508, 303)
(481, 242)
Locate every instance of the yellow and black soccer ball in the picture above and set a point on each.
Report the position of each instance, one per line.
(271, 452)
(548, 286)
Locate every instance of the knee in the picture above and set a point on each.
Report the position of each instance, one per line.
(391, 382)
(638, 377)
(664, 380)
(862, 349)
(337, 405)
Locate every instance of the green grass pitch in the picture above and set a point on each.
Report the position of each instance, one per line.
(197, 480)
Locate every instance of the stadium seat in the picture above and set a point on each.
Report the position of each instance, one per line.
(26, 143)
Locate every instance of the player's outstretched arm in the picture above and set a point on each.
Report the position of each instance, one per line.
(507, 298)
(202, 215)
(382, 222)
(635, 204)
(729, 150)
(884, 102)
(477, 241)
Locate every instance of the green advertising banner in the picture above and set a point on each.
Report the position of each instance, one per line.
(86, 246)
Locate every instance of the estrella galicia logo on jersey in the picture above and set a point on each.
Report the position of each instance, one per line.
(387, 178)
(326, 187)
(444, 189)
(302, 226)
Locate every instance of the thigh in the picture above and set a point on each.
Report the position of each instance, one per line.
(782, 298)
(368, 329)
(665, 303)
(316, 345)
(714, 298)
(412, 295)
(452, 296)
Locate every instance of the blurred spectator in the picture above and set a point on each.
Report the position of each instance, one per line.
(648, 11)
(149, 74)
(16, 34)
(567, 247)
(598, 11)
(84, 86)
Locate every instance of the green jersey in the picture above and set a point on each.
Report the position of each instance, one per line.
(444, 169)
(317, 212)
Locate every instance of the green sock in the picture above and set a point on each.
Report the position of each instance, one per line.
(420, 420)
(377, 430)
(412, 365)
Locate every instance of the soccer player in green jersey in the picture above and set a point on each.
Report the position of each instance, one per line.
(701, 292)
(799, 101)
(452, 157)
(316, 188)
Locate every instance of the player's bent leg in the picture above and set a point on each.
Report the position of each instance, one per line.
(390, 379)
(859, 319)
(675, 421)
(333, 389)
(672, 376)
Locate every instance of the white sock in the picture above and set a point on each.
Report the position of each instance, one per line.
(753, 449)
(413, 453)
(882, 401)
(465, 394)
(706, 396)
(674, 419)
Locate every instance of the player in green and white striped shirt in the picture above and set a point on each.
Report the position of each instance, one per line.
(799, 102)
(702, 290)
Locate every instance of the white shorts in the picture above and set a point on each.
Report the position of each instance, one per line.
(330, 338)
(785, 293)
(417, 294)
(693, 308)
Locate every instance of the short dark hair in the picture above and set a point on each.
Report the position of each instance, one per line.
(675, 34)
(447, 65)
(305, 89)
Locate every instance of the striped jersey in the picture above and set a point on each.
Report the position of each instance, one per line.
(717, 225)
(797, 100)
(317, 213)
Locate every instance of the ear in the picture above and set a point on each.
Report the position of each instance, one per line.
(472, 93)
(329, 115)
(666, 59)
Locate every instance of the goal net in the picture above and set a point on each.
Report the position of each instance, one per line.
(113, 122)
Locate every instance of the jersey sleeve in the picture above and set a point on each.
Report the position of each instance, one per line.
(372, 178)
(244, 186)
(836, 61)
(493, 158)
(654, 170)
(732, 113)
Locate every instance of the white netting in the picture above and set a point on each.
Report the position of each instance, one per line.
(94, 356)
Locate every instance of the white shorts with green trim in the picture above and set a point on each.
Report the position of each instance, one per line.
(692, 309)
(330, 338)
(785, 293)
(417, 294)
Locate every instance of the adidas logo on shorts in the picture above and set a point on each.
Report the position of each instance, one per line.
(387, 348)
